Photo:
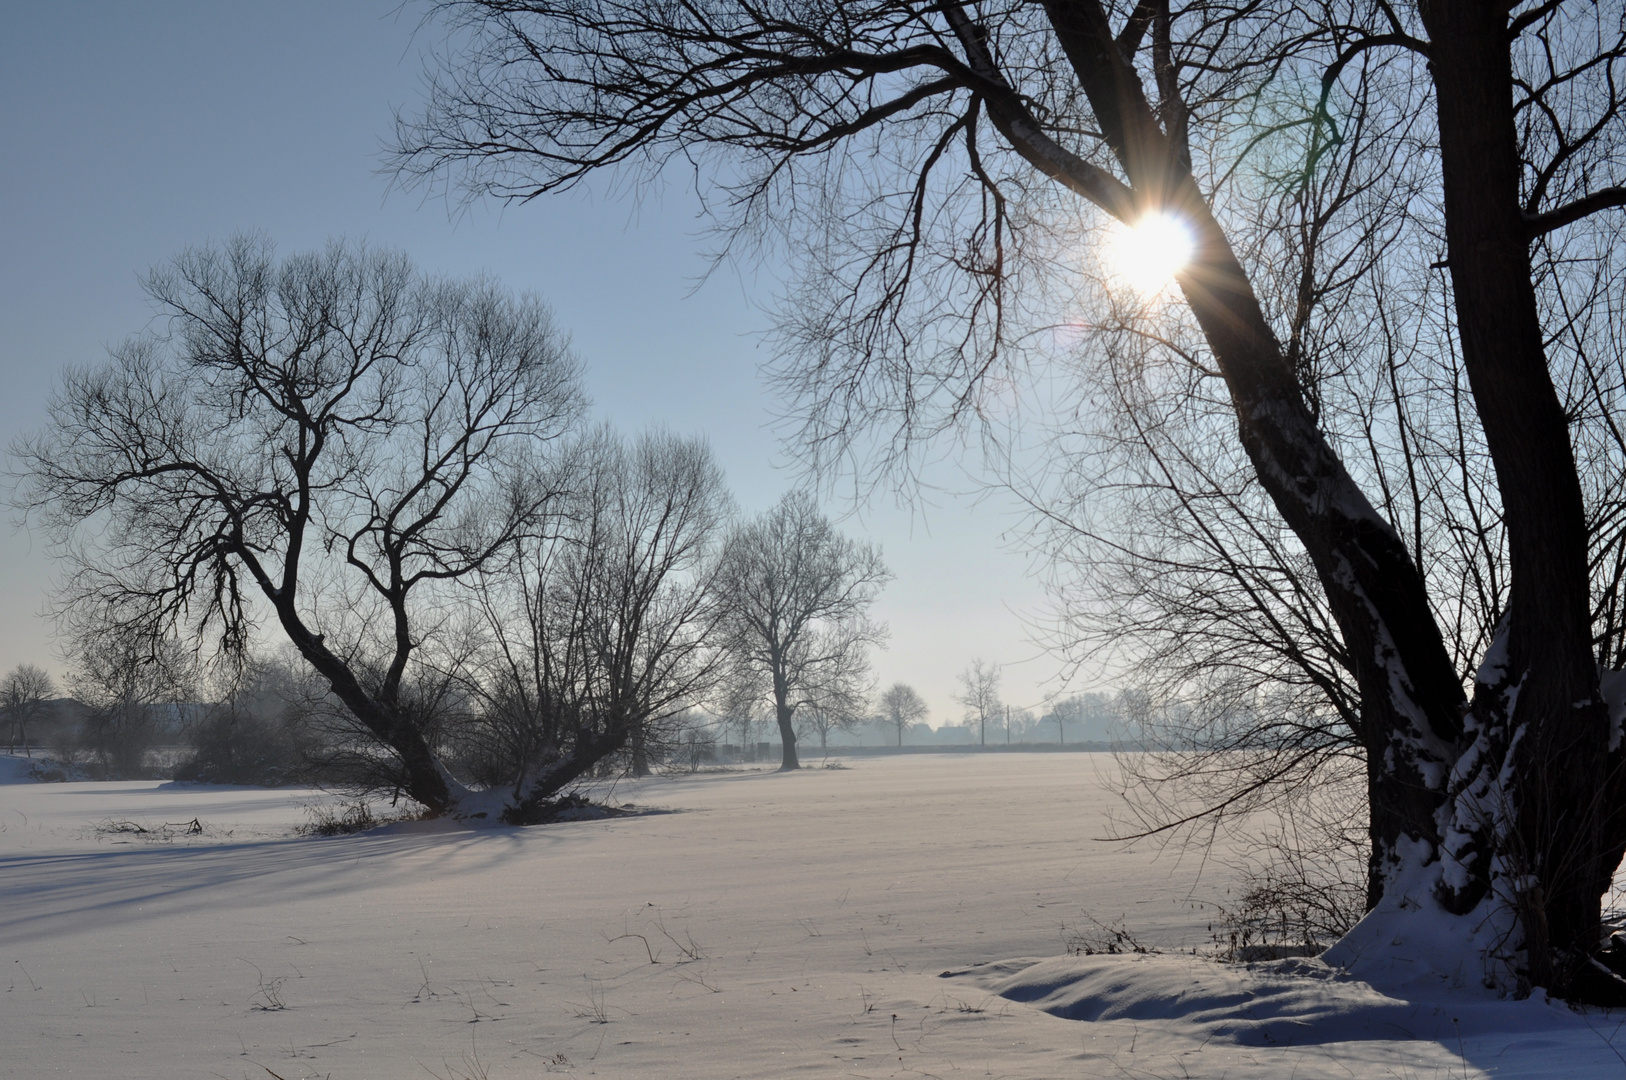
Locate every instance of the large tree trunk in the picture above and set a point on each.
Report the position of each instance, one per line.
(1514, 799)
(787, 735)
(1530, 817)
(785, 713)
(425, 779)
(1512, 803)
(640, 751)
(1411, 697)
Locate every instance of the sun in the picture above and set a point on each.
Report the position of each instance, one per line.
(1146, 256)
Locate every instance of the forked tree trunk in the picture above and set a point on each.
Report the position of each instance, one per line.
(1411, 725)
(526, 805)
(1533, 798)
(1512, 804)
(1411, 697)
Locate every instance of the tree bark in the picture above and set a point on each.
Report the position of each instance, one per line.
(426, 781)
(787, 735)
(1535, 805)
(640, 751)
(1411, 723)
(1411, 698)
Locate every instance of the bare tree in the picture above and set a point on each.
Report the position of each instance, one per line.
(330, 440)
(979, 693)
(1016, 720)
(1060, 714)
(135, 691)
(999, 120)
(798, 595)
(902, 706)
(1094, 716)
(742, 699)
(23, 694)
(264, 724)
(602, 626)
(696, 739)
(824, 717)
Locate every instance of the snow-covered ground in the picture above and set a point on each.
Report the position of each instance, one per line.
(902, 916)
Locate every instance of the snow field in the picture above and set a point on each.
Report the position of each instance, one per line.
(762, 925)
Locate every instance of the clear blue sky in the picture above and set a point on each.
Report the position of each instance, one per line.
(129, 131)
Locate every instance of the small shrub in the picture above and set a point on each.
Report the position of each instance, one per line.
(1101, 939)
(243, 749)
(48, 771)
(1280, 915)
(1302, 877)
(341, 820)
(152, 833)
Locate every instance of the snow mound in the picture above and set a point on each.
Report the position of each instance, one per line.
(1299, 1002)
(1410, 946)
(17, 769)
(13, 769)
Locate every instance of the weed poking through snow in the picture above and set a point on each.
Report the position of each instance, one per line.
(594, 1010)
(1101, 939)
(341, 820)
(152, 834)
(268, 998)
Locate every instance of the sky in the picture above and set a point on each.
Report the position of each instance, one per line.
(133, 131)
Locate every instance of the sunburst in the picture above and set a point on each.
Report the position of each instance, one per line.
(1146, 256)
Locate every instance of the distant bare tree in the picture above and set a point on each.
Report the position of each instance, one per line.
(979, 693)
(23, 694)
(798, 595)
(826, 715)
(1016, 720)
(134, 691)
(263, 725)
(694, 739)
(902, 706)
(331, 439)
(742, 700)
(1079, 710)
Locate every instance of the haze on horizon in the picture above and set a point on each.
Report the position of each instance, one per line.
(133, 134)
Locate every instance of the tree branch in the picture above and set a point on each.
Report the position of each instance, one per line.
(1539, 225)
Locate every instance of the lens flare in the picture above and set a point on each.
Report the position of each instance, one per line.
(1147, 255)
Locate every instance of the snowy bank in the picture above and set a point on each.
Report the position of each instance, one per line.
(777, 925)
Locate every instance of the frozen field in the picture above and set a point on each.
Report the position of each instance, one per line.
(766, 925)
